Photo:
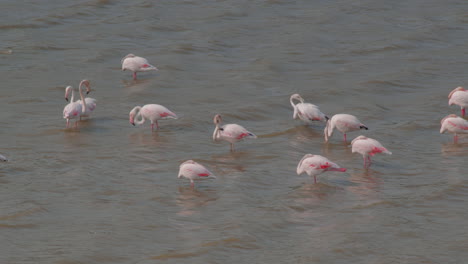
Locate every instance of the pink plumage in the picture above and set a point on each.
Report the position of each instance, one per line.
(344, 123)
(459, 96)
(152, 112)
(194, 171)
(231, 133)
(305, 111)
(367, 147)
(455, 125)
(314, 165)
(136, 64)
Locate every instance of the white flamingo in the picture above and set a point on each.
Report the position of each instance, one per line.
(455, 125)
(230, 132)
(152, 112)
(73, 110)
(344, 123)
(314, 165)
(305, 111)
(194, 171)
(367, 147)
(459, 96)
(136, 64)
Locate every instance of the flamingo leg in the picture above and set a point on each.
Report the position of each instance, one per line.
(315, 179)
(76, 124)
(365, 160)
(68, 123)
(344, 135)
(134, 76)
(463, 112)
(157, 126)
(152, 127)
(192, 184)
(369, 161)
(455, 138)
(232, 147)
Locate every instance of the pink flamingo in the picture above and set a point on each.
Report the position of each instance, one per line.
(136, 64)
(3, 158)
(230, 132)
(73, 110)
(367, 147)
(305, 111)
(90, 102)
(454, 124)
(459, 96)
(314, 165)
(153, 112)
(344, 123)
(194, 171)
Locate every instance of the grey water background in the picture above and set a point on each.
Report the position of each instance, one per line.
(109, 193)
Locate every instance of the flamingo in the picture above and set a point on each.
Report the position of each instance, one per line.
(3, 158)
(305, 111)
(90, 102)
(136, 64)
(459, 96)
(73, 110)
(153, 112)
(230, 132)
(194, 171)
(367, 147)
(314, 165)
(454, 124)
(344, 123)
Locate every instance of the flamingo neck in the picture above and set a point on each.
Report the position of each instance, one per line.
(139, 115)
(216, 132)
(83, 103)
(72, 95)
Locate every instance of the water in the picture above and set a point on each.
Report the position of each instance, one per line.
(109, 193)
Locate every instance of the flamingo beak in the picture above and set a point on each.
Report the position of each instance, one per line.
(66, 98)
(133, 124)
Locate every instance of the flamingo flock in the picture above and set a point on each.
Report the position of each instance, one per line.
(311, 164)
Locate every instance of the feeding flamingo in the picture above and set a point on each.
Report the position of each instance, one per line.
(344, 123)
(136, 64)
(305, 111)
(3, 158)
(230, 132)
(367, 147)
(314, 165)
(73, 110)
(194, 171)
(152, 112)
(459, 96)
(455, 125)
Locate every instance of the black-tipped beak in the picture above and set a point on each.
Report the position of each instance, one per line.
(327, 118)
(133, 124)
(87, 92)
(66, 99)
(364, 127)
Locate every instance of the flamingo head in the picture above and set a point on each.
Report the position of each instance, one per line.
(443, 126)
(67, 92)
(3, 158)
(297, 97)
(123, 59)
(132, 115)
(217, 119)
(87, 84)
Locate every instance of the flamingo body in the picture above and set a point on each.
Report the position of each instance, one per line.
(136, 64)
(152, 112)
(231, 133)
(314, 165)
(194, 171)
(367, 147)
(305, 111)
(343, 123)
(455, 125)
(459, 96)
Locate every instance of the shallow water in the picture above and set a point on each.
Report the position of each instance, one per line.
(109, 193)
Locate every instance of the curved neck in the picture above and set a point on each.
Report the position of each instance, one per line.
(139, 115)
(83, 103)
(216, 132)
(73, 95)
(292, 103)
